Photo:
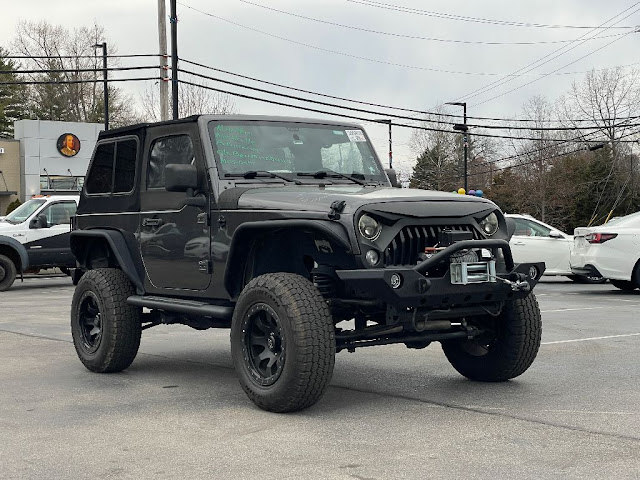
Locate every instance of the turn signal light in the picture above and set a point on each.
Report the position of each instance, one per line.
(600, 237)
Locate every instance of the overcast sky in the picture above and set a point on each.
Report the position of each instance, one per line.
(392, 69)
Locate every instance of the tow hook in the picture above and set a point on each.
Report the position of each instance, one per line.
(519, 285)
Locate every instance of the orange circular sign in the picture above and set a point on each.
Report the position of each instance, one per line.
(68, 144)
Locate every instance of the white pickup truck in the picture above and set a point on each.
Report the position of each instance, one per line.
(36, 236)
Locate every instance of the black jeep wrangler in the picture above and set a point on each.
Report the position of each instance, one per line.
(289, 232)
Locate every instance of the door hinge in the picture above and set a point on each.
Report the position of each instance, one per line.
(203, 219)
(205, 266)
(222, 222)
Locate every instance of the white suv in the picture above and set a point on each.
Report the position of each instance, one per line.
(35, 236)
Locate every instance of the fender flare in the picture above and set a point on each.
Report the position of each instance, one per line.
(119, 247)
(20, 250)
(334, 231)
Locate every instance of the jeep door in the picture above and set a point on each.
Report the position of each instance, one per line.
(48, 244)
(175, 240)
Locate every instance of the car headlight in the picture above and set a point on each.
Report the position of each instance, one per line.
(369, 227)
(489, 224)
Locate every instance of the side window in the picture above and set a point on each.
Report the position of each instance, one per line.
(100, 176)
(166, 150)
(539, 230)
(125, 169)
(59, 213)
(522, 228)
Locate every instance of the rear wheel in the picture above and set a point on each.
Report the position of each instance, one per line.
(106, 330)
(505, 349)
(282, 342)
(7, 273)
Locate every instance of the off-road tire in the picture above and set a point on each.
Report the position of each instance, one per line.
(512, 350)
(625, 285)
(307, 341)
(119, 322)
(7, 273)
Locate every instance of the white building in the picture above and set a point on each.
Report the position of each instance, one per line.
(45, 167)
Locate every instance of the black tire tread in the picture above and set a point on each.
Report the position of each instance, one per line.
(314, 336)
(112, 287)
(625, 285)
(10, 273)
(521, 339)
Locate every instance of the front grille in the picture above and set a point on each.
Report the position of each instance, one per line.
(412, 240)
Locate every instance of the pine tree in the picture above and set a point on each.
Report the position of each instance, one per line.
(12, 97)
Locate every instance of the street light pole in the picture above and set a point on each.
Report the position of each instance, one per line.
(388, 121)
(103, 46)
(465, 140)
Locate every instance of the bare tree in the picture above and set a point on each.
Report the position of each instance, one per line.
(192, 100)
(48, 47)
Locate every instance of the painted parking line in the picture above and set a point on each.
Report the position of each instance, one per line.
(591, 338)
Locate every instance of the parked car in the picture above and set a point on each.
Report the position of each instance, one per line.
(536, 241)
(35, 236)
(280, 229)
(611, 250)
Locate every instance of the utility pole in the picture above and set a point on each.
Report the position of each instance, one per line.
(174, 58)
(388, 121)
(103, 46)
(164, 65)
(465, 141)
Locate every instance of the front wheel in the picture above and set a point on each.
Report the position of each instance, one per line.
(106, 330)
(282, 342)
(505, 349)
(7, 273)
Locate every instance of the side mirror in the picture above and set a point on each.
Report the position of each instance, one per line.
(39, 222)
(511, 227)
(180, 178)
(555, 234)
(393, 178)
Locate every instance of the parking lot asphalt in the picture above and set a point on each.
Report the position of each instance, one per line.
(390, 412)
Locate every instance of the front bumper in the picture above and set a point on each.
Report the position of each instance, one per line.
(418, 289)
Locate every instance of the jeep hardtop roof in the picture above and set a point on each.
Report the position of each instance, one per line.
(132, 129)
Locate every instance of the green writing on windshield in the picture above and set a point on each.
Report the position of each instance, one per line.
(239, 145)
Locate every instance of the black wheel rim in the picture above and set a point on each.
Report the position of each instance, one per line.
(263, 344)
(90, 322)
(485, 342)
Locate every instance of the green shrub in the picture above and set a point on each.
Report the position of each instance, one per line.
(13, 205)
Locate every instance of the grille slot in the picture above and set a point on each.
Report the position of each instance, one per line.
(412, 240)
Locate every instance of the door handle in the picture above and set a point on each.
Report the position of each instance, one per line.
(151, 222)
(518, 243)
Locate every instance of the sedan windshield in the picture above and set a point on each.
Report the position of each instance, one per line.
(23, 212)
(294, 148)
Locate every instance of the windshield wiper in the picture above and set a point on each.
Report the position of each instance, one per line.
(258, 173)
(332, 173)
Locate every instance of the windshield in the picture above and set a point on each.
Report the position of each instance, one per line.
(23, 212)
(293, 148)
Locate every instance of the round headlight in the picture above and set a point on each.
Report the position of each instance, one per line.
(489, 224)
(369, 227)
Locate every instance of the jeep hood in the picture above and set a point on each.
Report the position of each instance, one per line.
(404, 201)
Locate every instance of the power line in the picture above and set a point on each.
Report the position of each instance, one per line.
(77, 70)
(411, 37)
(337, 52)
(537, 63)
(325, 112)
(421, 112)
(66, 82)
(55, 57)
(373, 112)
(537, 79)
(449, 16)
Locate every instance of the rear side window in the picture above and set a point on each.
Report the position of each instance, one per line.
(100, 177)
(166, 150)
(125, 166)
(114, 168)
